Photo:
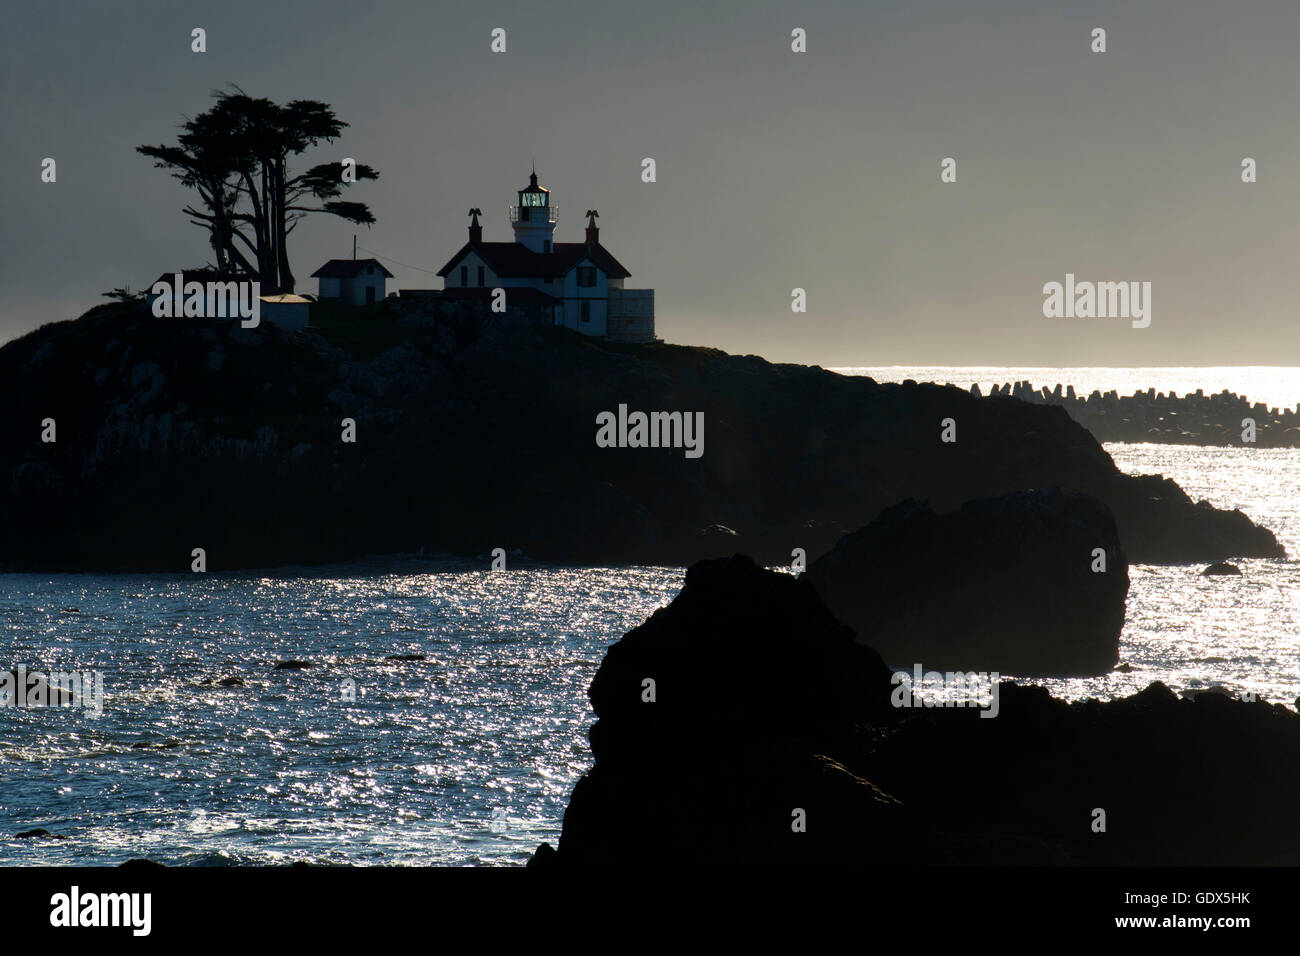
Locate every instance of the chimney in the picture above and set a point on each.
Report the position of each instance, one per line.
(593, 231)
(475, 230)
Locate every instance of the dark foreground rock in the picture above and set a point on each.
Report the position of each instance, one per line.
(755, 687)
(1221, 568)
(1006, 584)
(477, 434)
(771, 740)
(1166, 772)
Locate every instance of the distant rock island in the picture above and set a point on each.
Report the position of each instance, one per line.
(475, 431)
(1151, 416)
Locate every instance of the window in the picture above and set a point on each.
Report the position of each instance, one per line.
(586, 277)
(370, 295)
(586, 310)
(464, 275)
(546, 245)
(480, 275)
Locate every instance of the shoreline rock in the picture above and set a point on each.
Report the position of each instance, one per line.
(772, 742)
(1006, 584)
(755, 689)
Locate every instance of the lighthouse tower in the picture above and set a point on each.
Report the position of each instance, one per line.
(534, 217)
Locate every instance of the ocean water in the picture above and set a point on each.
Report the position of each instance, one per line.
(467, 757)
(1191, 631)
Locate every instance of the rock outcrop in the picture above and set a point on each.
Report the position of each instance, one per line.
(771, 741)
(719, 718)
(1031, 584)
(1166, 773)
(176, 434)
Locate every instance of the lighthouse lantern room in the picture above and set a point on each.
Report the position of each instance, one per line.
(533, 217)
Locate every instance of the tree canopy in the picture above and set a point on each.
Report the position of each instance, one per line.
(236, 157)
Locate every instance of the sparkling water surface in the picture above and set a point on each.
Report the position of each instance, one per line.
(467, 757)
(1192, 631)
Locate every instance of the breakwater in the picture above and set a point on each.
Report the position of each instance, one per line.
(1195, 418)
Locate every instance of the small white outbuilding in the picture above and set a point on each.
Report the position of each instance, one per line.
(354, 281)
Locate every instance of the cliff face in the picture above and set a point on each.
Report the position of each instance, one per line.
(178, 434)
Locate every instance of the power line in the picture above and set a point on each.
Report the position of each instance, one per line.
(405, 265)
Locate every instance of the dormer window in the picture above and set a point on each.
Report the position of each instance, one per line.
(586, 277)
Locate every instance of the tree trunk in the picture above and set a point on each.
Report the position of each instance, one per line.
(281, 222)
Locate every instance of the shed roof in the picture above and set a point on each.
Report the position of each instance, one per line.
(347, 268)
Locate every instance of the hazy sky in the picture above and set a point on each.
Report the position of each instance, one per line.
(776, 169)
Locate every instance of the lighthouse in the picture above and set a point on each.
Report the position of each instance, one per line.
(533, 217)
(579, 285)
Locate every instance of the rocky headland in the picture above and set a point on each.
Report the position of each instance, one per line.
(473, 433)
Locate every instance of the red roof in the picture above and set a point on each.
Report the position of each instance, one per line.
(514, 260)
(514, 296)
(347, 268)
